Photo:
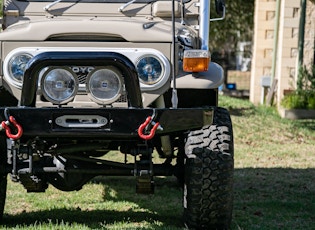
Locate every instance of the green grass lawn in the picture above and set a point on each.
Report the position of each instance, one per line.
(274, 185)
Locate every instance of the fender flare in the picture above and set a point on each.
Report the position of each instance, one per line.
(211, 79)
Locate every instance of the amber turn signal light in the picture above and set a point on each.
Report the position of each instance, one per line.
(196, 60)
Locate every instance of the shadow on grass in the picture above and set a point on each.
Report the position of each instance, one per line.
(274, 198)
(265, 198)
(246, 111)
(240, 110)
(92, 219)
(153, 206)
(305, 124)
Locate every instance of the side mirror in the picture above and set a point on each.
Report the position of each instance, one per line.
(219, 6)
(220, 9)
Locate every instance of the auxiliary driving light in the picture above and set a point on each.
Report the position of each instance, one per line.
(104, 85)
(59, 85)
(150, 69)
(196, 60)
(17, 66)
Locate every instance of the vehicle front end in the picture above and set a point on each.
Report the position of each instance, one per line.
(80, 79)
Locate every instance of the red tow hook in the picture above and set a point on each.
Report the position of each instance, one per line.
(156, 125)
(5, 126)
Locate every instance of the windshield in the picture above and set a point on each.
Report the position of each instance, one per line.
(104, 1)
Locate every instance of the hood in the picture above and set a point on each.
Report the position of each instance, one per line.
(124, 29)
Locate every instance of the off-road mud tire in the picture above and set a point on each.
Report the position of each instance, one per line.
(3, 176)
(209, 165)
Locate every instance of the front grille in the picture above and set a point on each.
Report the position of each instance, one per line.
(123, 97)
(82, 78)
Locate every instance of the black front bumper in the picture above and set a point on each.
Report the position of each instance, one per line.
(117, 123)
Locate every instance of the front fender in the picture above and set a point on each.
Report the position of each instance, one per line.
(210, 79)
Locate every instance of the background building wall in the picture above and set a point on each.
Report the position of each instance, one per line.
(287, 45)
(265, 12)
(287, 56)
(309, 36)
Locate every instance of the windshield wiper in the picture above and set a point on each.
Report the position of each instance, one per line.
(120, 9)
(48, 6)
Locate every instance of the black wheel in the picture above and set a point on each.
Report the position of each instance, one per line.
(209, 166)
(3, 175)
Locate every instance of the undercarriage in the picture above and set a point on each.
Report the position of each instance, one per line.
(65, 146)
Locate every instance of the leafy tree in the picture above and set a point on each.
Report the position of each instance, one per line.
(236, 27)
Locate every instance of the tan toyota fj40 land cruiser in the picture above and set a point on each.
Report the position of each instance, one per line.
(80, 78)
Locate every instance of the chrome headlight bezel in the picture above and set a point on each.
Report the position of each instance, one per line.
(24, 58)
(114, 72)
(45, 91)
(150, 63)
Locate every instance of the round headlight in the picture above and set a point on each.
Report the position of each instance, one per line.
(17, 66)
(104, 85)
(150, 70)
(59, 85)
